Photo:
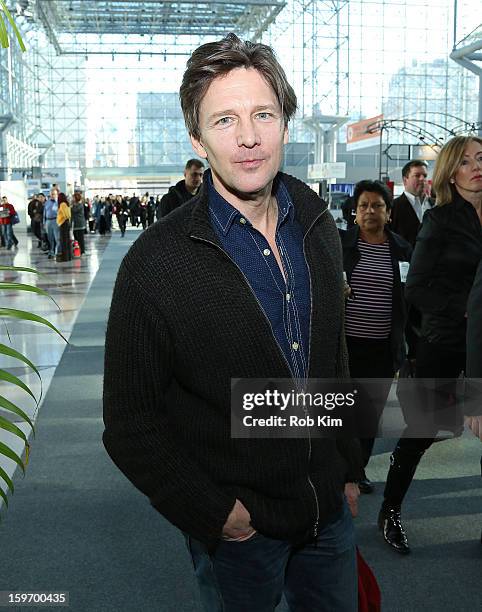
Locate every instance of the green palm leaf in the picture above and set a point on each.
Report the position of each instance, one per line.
(12, 428)
(12, 313)
(3, 33)
(28, 316)
(3, 30)
(8, 452)
(11, 407)
(14, 380)
(19, 269)
(22, 287)
(10, 352)
(4, 497)
(7, 479)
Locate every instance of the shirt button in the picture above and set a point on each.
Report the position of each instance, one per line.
(242, 221)
(266, 252)
(295, 346)
(288, 297)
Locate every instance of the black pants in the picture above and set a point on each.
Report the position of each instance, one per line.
(370, 358)
(65, 252)
(36, 229)
(433, 361)
(122, 222)
(79, 236)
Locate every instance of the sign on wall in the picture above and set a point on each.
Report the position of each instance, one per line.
(357, 135)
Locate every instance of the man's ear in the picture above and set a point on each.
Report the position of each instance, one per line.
(198, 147)
(286, 135)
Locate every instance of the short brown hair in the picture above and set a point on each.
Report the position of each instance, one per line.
(197, 163)
(447, 164)
(413, 163)
(212, 60)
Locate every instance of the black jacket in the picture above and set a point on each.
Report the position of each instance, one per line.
(400, 250)
(404, 220)
(177, 195)
(183, 322)
(444, 262)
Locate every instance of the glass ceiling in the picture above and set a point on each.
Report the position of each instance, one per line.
(152, 17)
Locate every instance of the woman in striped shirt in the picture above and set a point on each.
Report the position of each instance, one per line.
(375, 261)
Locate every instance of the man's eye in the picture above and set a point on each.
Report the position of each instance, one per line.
(224, 121)
(264, 115)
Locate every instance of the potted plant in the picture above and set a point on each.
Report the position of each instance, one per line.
(6, 424)
(9, 408)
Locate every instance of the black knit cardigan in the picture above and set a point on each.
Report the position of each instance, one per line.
(183, 322)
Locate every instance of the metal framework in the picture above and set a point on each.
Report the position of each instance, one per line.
(468, 54)
(92, 66)
(151, 18)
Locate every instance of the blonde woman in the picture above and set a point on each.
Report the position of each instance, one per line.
(64, 216)
(442, 271)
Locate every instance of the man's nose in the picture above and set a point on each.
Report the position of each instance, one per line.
(247, 134)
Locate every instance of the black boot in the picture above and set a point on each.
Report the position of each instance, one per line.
(403, 464)
(389, 522)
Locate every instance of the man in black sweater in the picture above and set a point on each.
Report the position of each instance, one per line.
(184, 190)
(242, 282)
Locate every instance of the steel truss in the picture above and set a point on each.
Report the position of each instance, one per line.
(151, 18)
(49, 89)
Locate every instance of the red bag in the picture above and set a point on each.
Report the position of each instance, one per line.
(76, 248)
(369, 596)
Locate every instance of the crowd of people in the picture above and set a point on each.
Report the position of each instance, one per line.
(57, 221)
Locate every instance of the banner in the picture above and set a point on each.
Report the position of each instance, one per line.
(357, 136)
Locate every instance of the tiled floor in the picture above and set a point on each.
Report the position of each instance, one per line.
(67, 283)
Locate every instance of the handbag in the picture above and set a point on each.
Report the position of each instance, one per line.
(369, 595)
(14, 219)
(429, 405)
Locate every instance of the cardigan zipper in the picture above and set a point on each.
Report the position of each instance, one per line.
(310, 482)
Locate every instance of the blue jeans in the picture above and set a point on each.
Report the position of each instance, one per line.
(252, 575)
(53, 236)
(7, 232)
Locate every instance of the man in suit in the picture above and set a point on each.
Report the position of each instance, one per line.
(407, 213)
(408, 209)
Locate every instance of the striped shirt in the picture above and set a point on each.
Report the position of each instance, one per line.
(369, 307)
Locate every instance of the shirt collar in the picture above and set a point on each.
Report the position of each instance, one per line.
(224, 214)
(413, 199)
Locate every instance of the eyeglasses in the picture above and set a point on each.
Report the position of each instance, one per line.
(376, 207)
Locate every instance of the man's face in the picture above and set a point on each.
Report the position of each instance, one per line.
(242, 134)
(416, 180)
(193, 177)
(54, 194)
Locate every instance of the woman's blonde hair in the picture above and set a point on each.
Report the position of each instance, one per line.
(447, 164)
